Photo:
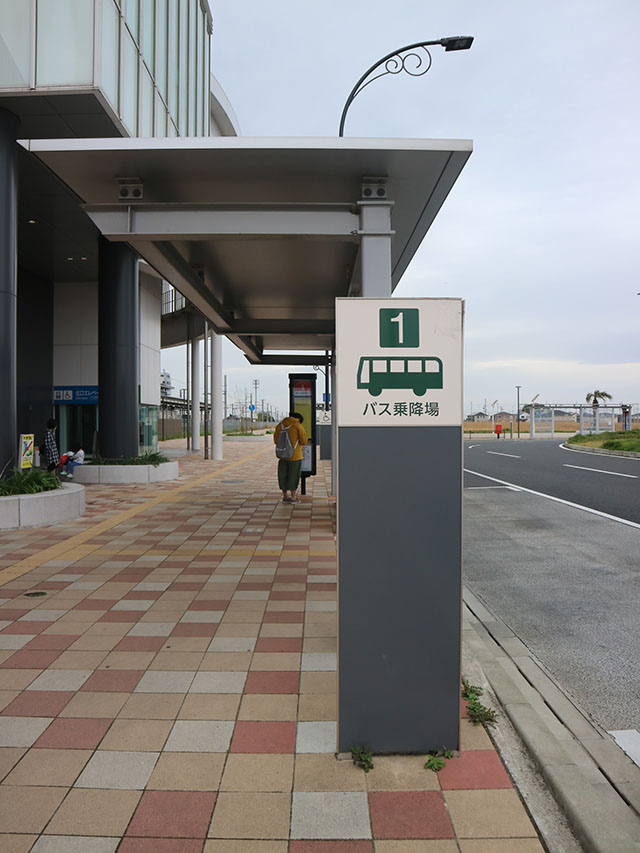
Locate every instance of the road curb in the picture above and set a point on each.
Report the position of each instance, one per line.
(593, 781)
(630, 454)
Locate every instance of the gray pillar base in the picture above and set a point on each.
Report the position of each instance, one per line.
(399, 557)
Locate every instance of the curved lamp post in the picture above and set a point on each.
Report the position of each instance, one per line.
(404, 59)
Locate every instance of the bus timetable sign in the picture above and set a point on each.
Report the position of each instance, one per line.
(399, 362)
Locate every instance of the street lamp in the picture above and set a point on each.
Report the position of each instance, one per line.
(396, 62)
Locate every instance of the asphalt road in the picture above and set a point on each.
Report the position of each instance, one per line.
(609, 484)
(566, 581)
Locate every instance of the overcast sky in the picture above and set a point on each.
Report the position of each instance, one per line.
(540, 234)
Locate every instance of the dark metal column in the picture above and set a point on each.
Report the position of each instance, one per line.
(118, 350)
(8, 285)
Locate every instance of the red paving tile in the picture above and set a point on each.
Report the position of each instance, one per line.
(279, 644)
(409, 814)
(272, 682)
(122, 616)
(278, 737)
(141, 595)
(185, 587)
(288, 596)
(172, 814)
(207, 604)
(7, 615)
(477, 768)
(38, 703)
(26, 627)
(38, 659)
(195, 629)
(70, 733)
(161, 845)
(51, 641)
(330, 847)
(115, 680)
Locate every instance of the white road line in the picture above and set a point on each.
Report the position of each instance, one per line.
(472, 445)
(510, 455)
(629, 741)
(600, 471)
(557, 500)
(509, 488)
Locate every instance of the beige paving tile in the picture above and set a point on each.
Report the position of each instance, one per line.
(326, 773)
(275, 662)
(232, 629)
(17, 843)
(317, 706)
(52, 767)
(27, 809)
(17, 679)
(240, 617)
(226, 662)
(176, 661)
(248, 815)
(152, 706)
(127, 660)
(187, 771)
(318, 645)
(186, 644)
(401, 773)
(93, 812)
(268, 706)
(78, 660)
(473, 737)
(110, 629)
(488, 814)
(423, 846)
(210, 706)
(60, 627)
(318, 682)
(282, 630)
(258, 773)
(312, 630)
(137, 735)
(498, 845)
(97, 705)
(228, 846)
(9, 757)
(283, 606)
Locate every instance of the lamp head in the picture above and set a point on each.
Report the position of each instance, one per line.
(457, 42)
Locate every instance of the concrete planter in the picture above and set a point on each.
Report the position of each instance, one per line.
(599, 450)
(121, 474)
(54, 507)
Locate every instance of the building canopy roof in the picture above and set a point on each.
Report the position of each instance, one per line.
(261, 235)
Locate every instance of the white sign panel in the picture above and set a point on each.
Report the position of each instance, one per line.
(399, 362)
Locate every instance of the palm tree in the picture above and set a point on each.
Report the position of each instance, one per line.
(594, 397)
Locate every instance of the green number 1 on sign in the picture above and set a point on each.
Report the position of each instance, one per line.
(399, 327)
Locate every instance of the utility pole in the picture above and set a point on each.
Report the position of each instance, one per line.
(518, 387)
(224, 395)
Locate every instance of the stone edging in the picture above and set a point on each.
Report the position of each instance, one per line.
(119, 474)
(53, 507)
(581, 449)
(591, 778)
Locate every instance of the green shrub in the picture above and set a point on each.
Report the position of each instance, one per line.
(145, 459)
(28, 482)
(629, 440)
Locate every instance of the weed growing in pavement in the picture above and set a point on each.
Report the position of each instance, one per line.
(437, 759)
(478, 713)
(362, 757)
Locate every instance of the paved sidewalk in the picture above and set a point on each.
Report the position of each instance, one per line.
(174, 690)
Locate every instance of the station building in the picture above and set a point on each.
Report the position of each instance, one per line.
(81, 318)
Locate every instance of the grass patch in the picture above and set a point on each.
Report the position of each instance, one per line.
(28, 482)
(154, 459)
(629, 440)
(362, 757)
(478, 713)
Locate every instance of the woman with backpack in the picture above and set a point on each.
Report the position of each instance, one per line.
(289, 439)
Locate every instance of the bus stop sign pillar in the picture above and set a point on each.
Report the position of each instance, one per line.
(399, 498)
(375, 247)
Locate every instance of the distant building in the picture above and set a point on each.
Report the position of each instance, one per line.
(166, 385)
(478, 416)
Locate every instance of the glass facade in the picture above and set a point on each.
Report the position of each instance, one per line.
(149, 58)
(149, 429)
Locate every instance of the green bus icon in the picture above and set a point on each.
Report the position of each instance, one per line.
(417, 373)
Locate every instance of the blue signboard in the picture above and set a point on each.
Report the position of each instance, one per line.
(75, 395)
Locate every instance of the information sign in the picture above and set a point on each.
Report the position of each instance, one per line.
(302, 399)
(26, 450)
(399, 362)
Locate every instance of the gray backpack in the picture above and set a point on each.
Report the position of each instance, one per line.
(284, 448)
